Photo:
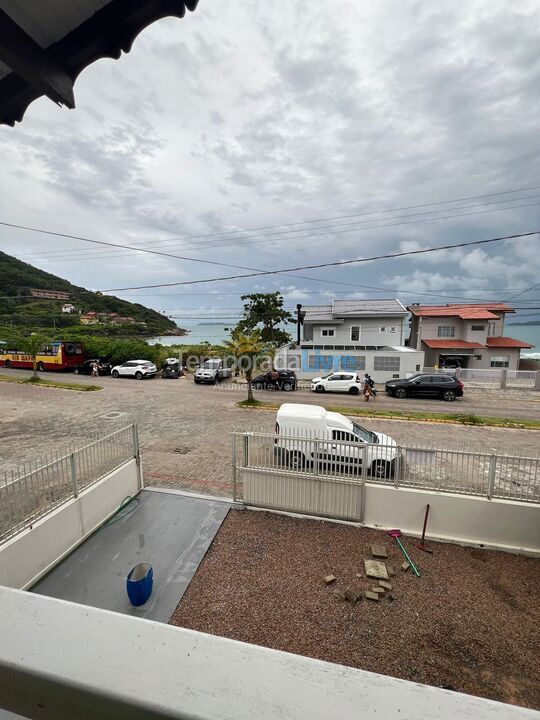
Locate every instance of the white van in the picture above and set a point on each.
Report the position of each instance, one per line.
(345, 443)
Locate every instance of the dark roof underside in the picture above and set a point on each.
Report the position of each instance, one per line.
(107, 33)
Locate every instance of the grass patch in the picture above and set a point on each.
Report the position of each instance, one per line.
(256, 404)
(50, 383)
(453, 418)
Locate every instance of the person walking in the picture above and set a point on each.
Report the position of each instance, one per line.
(367, 391)
(94, 372)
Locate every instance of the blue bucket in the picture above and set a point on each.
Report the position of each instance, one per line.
(139, 583)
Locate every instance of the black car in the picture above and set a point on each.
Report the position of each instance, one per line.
(85, 368)
(444, 387)
(276, 380)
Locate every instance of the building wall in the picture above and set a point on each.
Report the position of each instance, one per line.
(397, 362)
(370, 331)
(511, 353)
(429, 327)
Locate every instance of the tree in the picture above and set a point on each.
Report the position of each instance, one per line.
(246, 349)
(266, 311)
(30, 345)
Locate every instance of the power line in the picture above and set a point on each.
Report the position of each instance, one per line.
(524, 291)
(360, 214)
(252, 240)
(337, 263)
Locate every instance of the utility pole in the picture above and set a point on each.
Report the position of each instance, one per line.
(298, 309)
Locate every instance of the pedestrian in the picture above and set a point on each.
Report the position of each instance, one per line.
(367, 391)
(94, 372)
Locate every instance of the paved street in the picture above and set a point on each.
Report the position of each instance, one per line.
(185, 428)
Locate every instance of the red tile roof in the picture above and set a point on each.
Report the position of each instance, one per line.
(506, 342)
(465, 312)
(448, 343)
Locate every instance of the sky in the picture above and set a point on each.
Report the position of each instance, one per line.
(389, 126)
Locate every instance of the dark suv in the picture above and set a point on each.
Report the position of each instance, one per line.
(445, 387)
(285, 380)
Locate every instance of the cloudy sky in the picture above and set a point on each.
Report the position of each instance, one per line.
(219, 135)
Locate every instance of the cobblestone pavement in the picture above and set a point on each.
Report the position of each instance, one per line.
(185, 429)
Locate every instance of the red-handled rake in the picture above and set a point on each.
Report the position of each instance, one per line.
(396, 534)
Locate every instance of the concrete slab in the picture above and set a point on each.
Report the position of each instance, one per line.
(172, 532)
(376, 569)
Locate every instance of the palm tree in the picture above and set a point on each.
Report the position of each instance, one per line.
(246, 348)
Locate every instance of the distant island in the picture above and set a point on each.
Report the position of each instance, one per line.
(529, 322)
(35, 300)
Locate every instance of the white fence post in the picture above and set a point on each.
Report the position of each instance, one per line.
(74, 482)
(491, 476)
(504, 377)
(234, 466)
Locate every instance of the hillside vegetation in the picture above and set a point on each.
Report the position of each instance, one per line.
(24, 311)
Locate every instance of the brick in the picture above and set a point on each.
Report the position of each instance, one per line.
(405, 566)
(350, 595)
(379, 551)
(328, 579)
(371, 595)
(384, 584)
(340, 594)
(379, 590)
(376, 569)
(391, 570)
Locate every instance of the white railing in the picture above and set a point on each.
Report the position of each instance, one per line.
(33, 489)
(490, 377)
(468, 470)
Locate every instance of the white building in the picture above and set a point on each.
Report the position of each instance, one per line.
(352, 335)
(68, 308)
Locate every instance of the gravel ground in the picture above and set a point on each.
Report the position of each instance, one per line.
(470, 623)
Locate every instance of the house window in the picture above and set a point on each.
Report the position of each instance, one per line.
(491, 328)
(386, 363)
(355, 333)
(328, 332)
(500, 361)
(392, 329)
(320, 362)
(382, 329)
(446, 331)
(479, 328)
(352, 363)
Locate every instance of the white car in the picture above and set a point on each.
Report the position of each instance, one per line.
(139, 369)
(212, 371)
(345, 382)
(310, 435)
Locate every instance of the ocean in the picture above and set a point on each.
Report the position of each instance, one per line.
(215, 333)
(527, 333)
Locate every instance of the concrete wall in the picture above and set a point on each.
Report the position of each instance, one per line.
(485, 362)
(62, 660)
(468, 520)
(370, 331)
(501, 524)
(32, 553)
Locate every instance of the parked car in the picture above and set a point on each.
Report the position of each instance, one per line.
(340, 441)
(212, 371)
(445, 387)
(85, 368)
(345, 382)
(138, 369)
(285, 380)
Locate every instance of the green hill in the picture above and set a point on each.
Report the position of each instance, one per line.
(23, 310)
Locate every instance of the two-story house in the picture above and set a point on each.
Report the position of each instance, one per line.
(467, 336)
(351, 335)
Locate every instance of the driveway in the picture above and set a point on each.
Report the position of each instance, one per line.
(185, 429)
(172, 532)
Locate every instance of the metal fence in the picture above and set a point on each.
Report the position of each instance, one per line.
(474, 470)
(34, 488)
(491, 377)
